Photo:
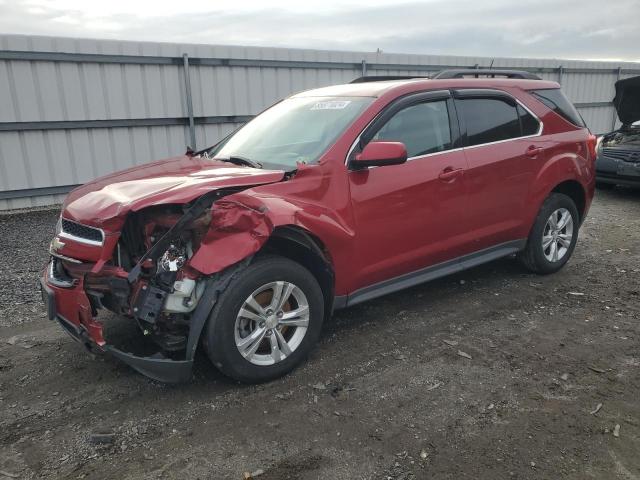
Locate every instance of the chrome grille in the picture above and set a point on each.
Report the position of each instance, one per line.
(626, 155)
(84, 232)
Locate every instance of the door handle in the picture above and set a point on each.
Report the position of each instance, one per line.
(533, 151)
(449, 174)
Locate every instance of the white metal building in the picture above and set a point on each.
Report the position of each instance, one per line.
(74, 109)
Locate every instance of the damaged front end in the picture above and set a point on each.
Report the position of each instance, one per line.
(164, 270)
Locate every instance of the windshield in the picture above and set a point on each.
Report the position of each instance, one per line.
(296, 130)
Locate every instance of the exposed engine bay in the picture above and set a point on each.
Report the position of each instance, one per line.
(163, 294)
(163, 291)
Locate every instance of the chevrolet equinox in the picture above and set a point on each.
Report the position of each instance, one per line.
(329, 198)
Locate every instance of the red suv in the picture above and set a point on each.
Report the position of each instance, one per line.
(329, 198)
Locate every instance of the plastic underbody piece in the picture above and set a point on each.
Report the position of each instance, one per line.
(149, 303)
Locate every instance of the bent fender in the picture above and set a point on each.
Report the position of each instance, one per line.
(236, 231)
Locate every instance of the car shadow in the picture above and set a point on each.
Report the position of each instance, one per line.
(415, 299)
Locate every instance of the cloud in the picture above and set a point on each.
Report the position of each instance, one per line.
(580, 29)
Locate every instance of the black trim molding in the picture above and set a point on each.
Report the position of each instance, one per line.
(429, 273)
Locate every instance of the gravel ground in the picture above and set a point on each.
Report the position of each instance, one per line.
(389, 393)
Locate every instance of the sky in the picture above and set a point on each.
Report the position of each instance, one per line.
(570, 29)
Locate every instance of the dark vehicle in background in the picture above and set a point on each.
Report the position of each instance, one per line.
(618, 153)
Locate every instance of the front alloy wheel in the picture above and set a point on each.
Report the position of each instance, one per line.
(272, 323)
(266, 321)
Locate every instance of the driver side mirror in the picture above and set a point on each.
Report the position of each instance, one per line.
(378, 154)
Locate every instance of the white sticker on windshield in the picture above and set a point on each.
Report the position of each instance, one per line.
(331, 105)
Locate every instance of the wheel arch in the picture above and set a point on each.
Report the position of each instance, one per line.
(303, 247)
(569, 185)
(571, 175)
(576, 192)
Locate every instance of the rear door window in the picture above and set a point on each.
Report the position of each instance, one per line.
(423, 128)
(555, 99)
(488, 120)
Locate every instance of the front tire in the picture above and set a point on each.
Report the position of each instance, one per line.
(266, 322)
(553, 236)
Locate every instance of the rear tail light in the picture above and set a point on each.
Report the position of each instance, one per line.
(592, 145)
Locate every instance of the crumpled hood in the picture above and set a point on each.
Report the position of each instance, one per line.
(626, 137)
(627, 100)
(175, 180)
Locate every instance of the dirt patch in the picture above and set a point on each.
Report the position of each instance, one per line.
(384, 395)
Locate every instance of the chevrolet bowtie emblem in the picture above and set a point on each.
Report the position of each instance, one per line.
(56, 244)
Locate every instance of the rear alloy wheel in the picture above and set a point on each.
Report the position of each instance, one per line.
(553, 236)
(557, 235)
(266, 321)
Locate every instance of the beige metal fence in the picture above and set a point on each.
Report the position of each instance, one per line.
(75, 109)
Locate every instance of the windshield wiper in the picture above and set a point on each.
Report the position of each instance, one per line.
(238, 160)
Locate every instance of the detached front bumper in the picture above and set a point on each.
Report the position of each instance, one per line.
(616, 171)
(617, 179)
(71, 308)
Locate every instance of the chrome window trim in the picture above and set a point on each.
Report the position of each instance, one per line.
(419, 157)
(80, 239)
(501, 141)
(540, 122)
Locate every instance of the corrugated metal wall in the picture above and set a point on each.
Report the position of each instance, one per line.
(75, 109)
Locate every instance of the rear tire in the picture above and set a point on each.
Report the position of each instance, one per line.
(553, 236)
(255, 335)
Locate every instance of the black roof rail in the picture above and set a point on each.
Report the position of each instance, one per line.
(485, 72)
(382, 78)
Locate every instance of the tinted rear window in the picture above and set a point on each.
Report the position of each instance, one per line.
(489, 120)
(556, 101)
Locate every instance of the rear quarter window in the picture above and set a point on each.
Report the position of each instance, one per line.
(556, 100)
(529, 124)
